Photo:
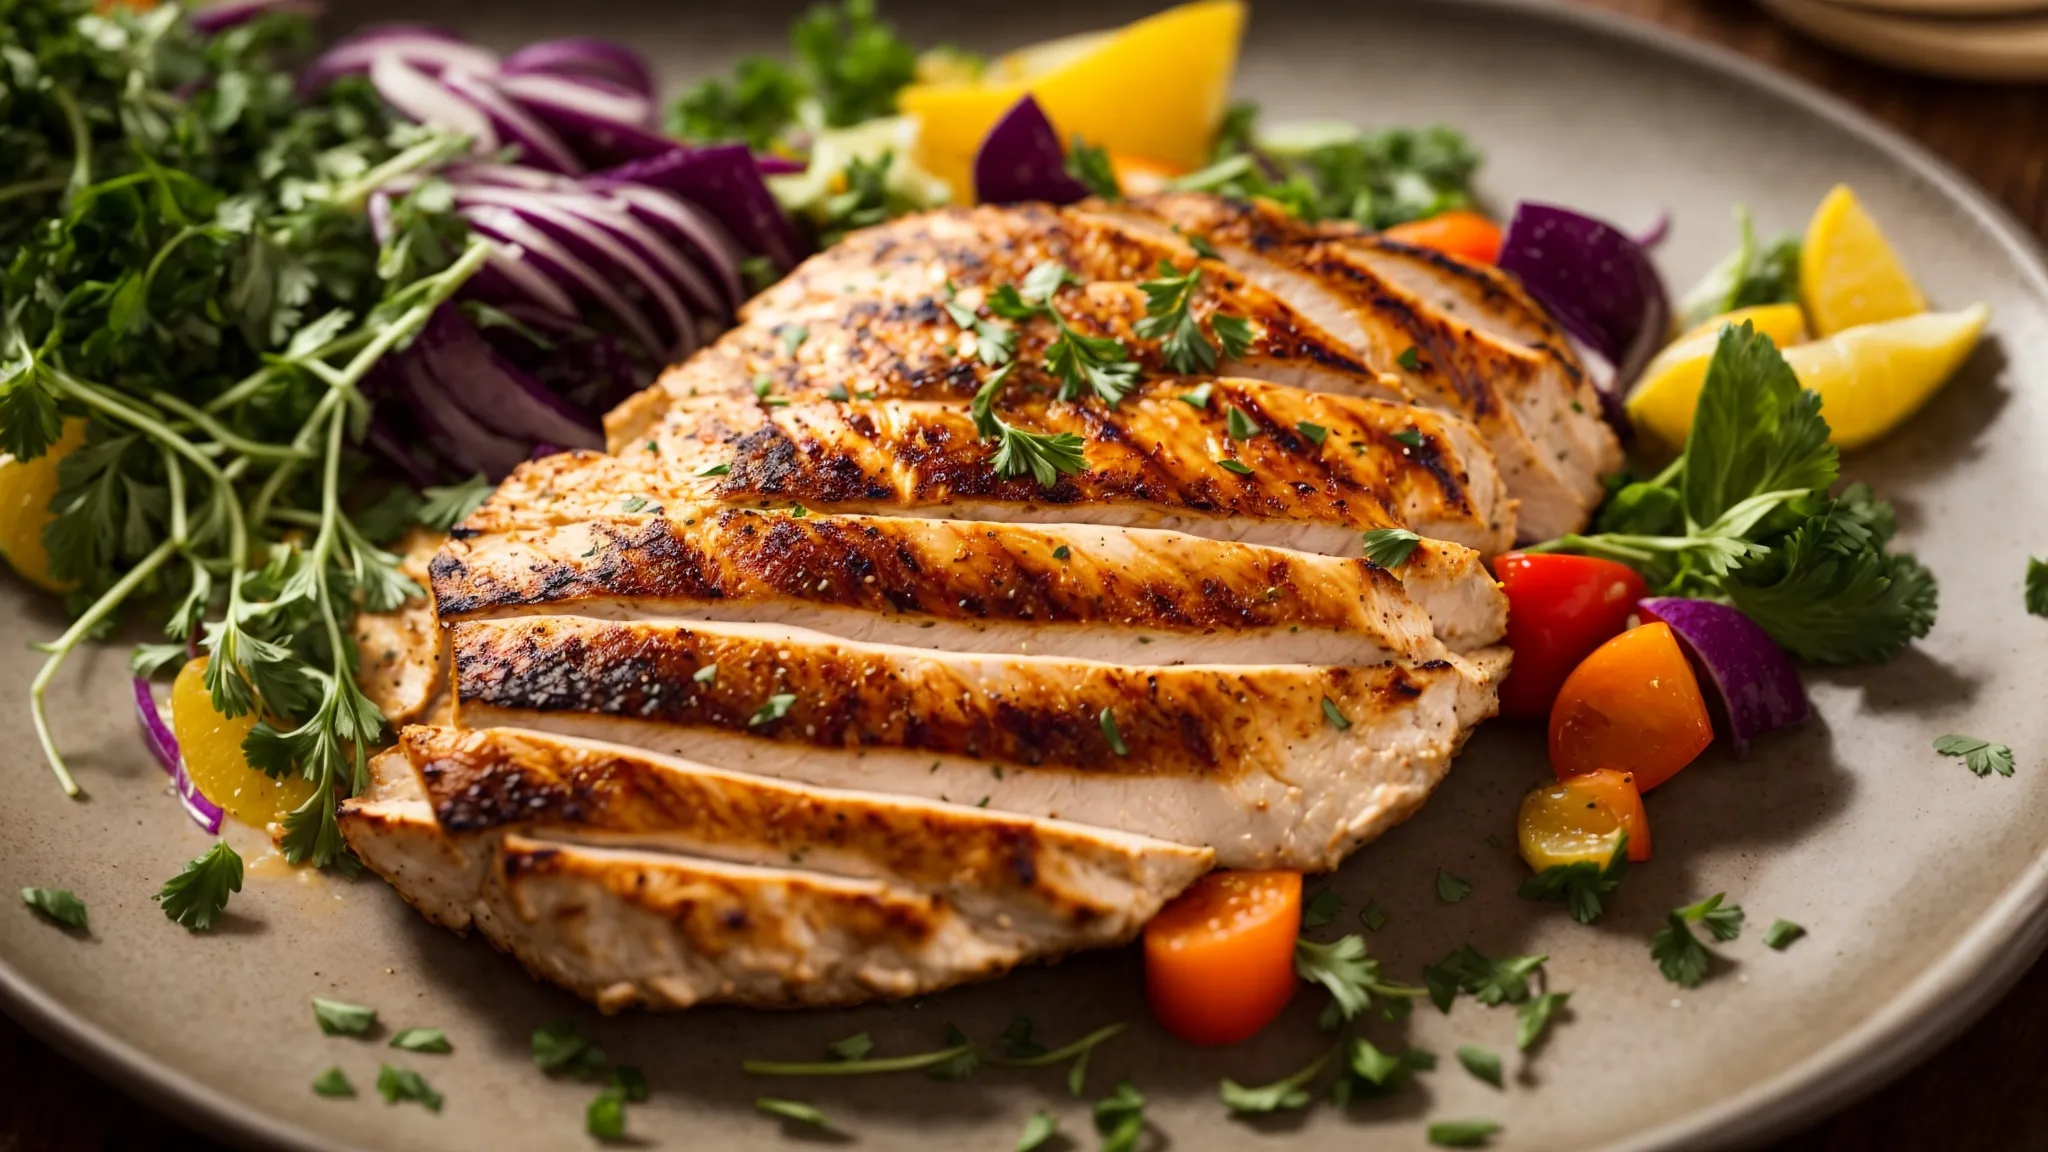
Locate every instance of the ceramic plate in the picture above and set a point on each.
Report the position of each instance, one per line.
(1920, 884)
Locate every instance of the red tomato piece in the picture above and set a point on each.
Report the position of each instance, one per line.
(1632, 706)
(1560, 608)
(1219, 959)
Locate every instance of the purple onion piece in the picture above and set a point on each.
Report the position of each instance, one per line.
(564, 267)
(1596, 281)
(585, 56)
(163, 744)
(724, 181)
(494, 391)
(539, 146)
(455, 435)
(430, 50)
(422, 98)
(695, 229)
(773, 165)
(217, 18)
(1752, 677)
(1659, 229)
(1021, 159)
(572, 103)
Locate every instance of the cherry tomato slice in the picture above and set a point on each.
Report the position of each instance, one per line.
(1560, 608)
(1219, 959)
(1458, 233)
(1581, 818)
(1633, 706)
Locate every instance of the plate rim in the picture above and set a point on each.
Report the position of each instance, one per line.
(1976, 970)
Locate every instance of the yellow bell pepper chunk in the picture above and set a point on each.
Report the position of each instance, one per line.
(26, 487)
(1154, 90)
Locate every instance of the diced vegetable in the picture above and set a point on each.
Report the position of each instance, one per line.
(1021, 159)
(1219, 959)
(1580, 820)
(1757, 685)
(1459, 233)
(1595, 279)
(1632, 706)
(1560, 608)
(26, 488)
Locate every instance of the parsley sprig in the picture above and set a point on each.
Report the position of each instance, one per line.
(1081, 363)
(1678, 953)
(1169, 319)
(1581, 885)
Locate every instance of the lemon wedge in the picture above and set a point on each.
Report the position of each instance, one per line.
(1871, 378)
(1662, 403)
(1848, 274)
(26, 487)
(1152, 90)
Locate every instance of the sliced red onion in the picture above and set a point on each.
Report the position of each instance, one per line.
(651, 246)
(431, 50)
(1757, 685)
(218, 18)
(163, 744)
(584, 222)
(1658, 230)
(1595, 279)
(724, 181)
(420, 97)
(538, 144)
(455, 435)
(772, 165)
(508, 176)
(379, 211)
(494, 391)
(1021, 159)
(585, 56)
(509, 276)
(573, 103)
(691, 226)
(564, 266)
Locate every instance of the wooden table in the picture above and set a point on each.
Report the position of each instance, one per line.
(1976, 1094)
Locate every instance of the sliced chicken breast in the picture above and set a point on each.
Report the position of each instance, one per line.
(1273, 766)
(1092, 592)
(636, 879)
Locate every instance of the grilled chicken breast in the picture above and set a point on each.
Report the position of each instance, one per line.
(1246, 760)
(637, 879)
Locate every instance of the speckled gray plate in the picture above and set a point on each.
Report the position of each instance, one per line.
(1922, 885)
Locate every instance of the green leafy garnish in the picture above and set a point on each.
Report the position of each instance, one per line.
(1120, 1118)
(422, 1040)
(795, 1111)
(1045, 456)
(395, 1084)
(1481, 1063)
(605, 1116)
(61, 905)
(1462, 1133)
(196, 896)
(1745, 517)
(333, 1083)
(1321, 908)
(1238, 466)
(1981, 757)
(1336, 717)
(852, 1048)
(958, 1058)
(1580, 885)
(1490, 981)
(1781, 934)
(2037, 587)
(1285, 1094)
(1679, 954)
(1372, 1072)
(337, 1018)
(773, 709)
(1410, 358)
(1372, 917)
(1041, 1127)
(1749, 276)
(1090, 165)
(1330, 172)
(1109, 732)
(845, 67)
(1169, 319)
(1316, 433)
(631, 1082)
(1239, 425)
(448, 506)
(1534, 1016)
(1198, 396)
(1389, 548)
(1351, 977)
(964, 1061)
(559, 1050)
(1450, 887)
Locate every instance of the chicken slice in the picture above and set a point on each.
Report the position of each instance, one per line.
(1152, 462)
(635, 879)
(1059, 590)
(1533, 403)
(1271, 766)
(399, 662)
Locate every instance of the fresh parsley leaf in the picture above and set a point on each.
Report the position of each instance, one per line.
(422, 1040)
(337, 1018)
(1062, 552)
(1240, 426)
(1724, 921)
(61, 905)
(1336, 718)
(1016, 1042)
(559, 1050)
(1169, 319)
(1481, 1063)
(1120, 1118)
(1090, 165)
(1781, 934)
(1462, 1133)
(1491, 981)
(1198, 396)
(795, 1111)
(1679, 955)
(1109, 732)
(605, 1117)
(334, 1084)
(776, 707)
(708, 674)
(1372, 917)
(1749, 276)
(792, 337)
(1580, 885)
(719, 468)
(395, 1084)
(1044, 456)
(447, 506)
(1041, 1127)
(2037, 587)
(1980, 756)
(1410, 358)
(1238, 466)
(1043, 280)
(1233, 333)
(1755, 433)
(1451, 888)
(1321, 908)
(1376, 1073)
(631, 1083)
(1534, 1016)
(1351, 977)
(1285, 1094)
(1389, 548)
(962, 1063)
(1316, 433)
(1375, 179)
(852, 1048)
(196, 896)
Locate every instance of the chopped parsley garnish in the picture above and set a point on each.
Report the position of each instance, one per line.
(395, 1084)
(1979, 756)
(957, 1054)
(1462, 1133)
(1321, 908)
(631, 1082)
(1080, 362)
(1062, 552)
(2037, 587)
(1781, 934)
(1482, 1063)
(1373, 1072)
(966, 1059)
(708, 674)
(633, 504)
(1390, 548)
(1580, 885)
(1041, 1127)
(1336, 718)
(1351, 977)
(1679, 954)
(1372, 916)
(1110, 733)
(1316, 433)
(605, 1117)
(721, 468)
(1451, 887)
(1285, 1094)
(61, 905)
(1490, 981)
(334, 1084)
(1090, 165)
(422, 1040)
(792, 337)
(776, 707)
(1745, 516)
(1120, 1118)
(1239, 425)
(1169, 319)
(994, 344)
(559, 1050)
(795, 1111)
(1534, 1016)
(1198, 396)
(196, 896)
(852, 1048)
(1234, 333)
(1410, 358)
(1237, 466)
(1045, 456)
(1409, 437)
(445, 507)
(341, 1019)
